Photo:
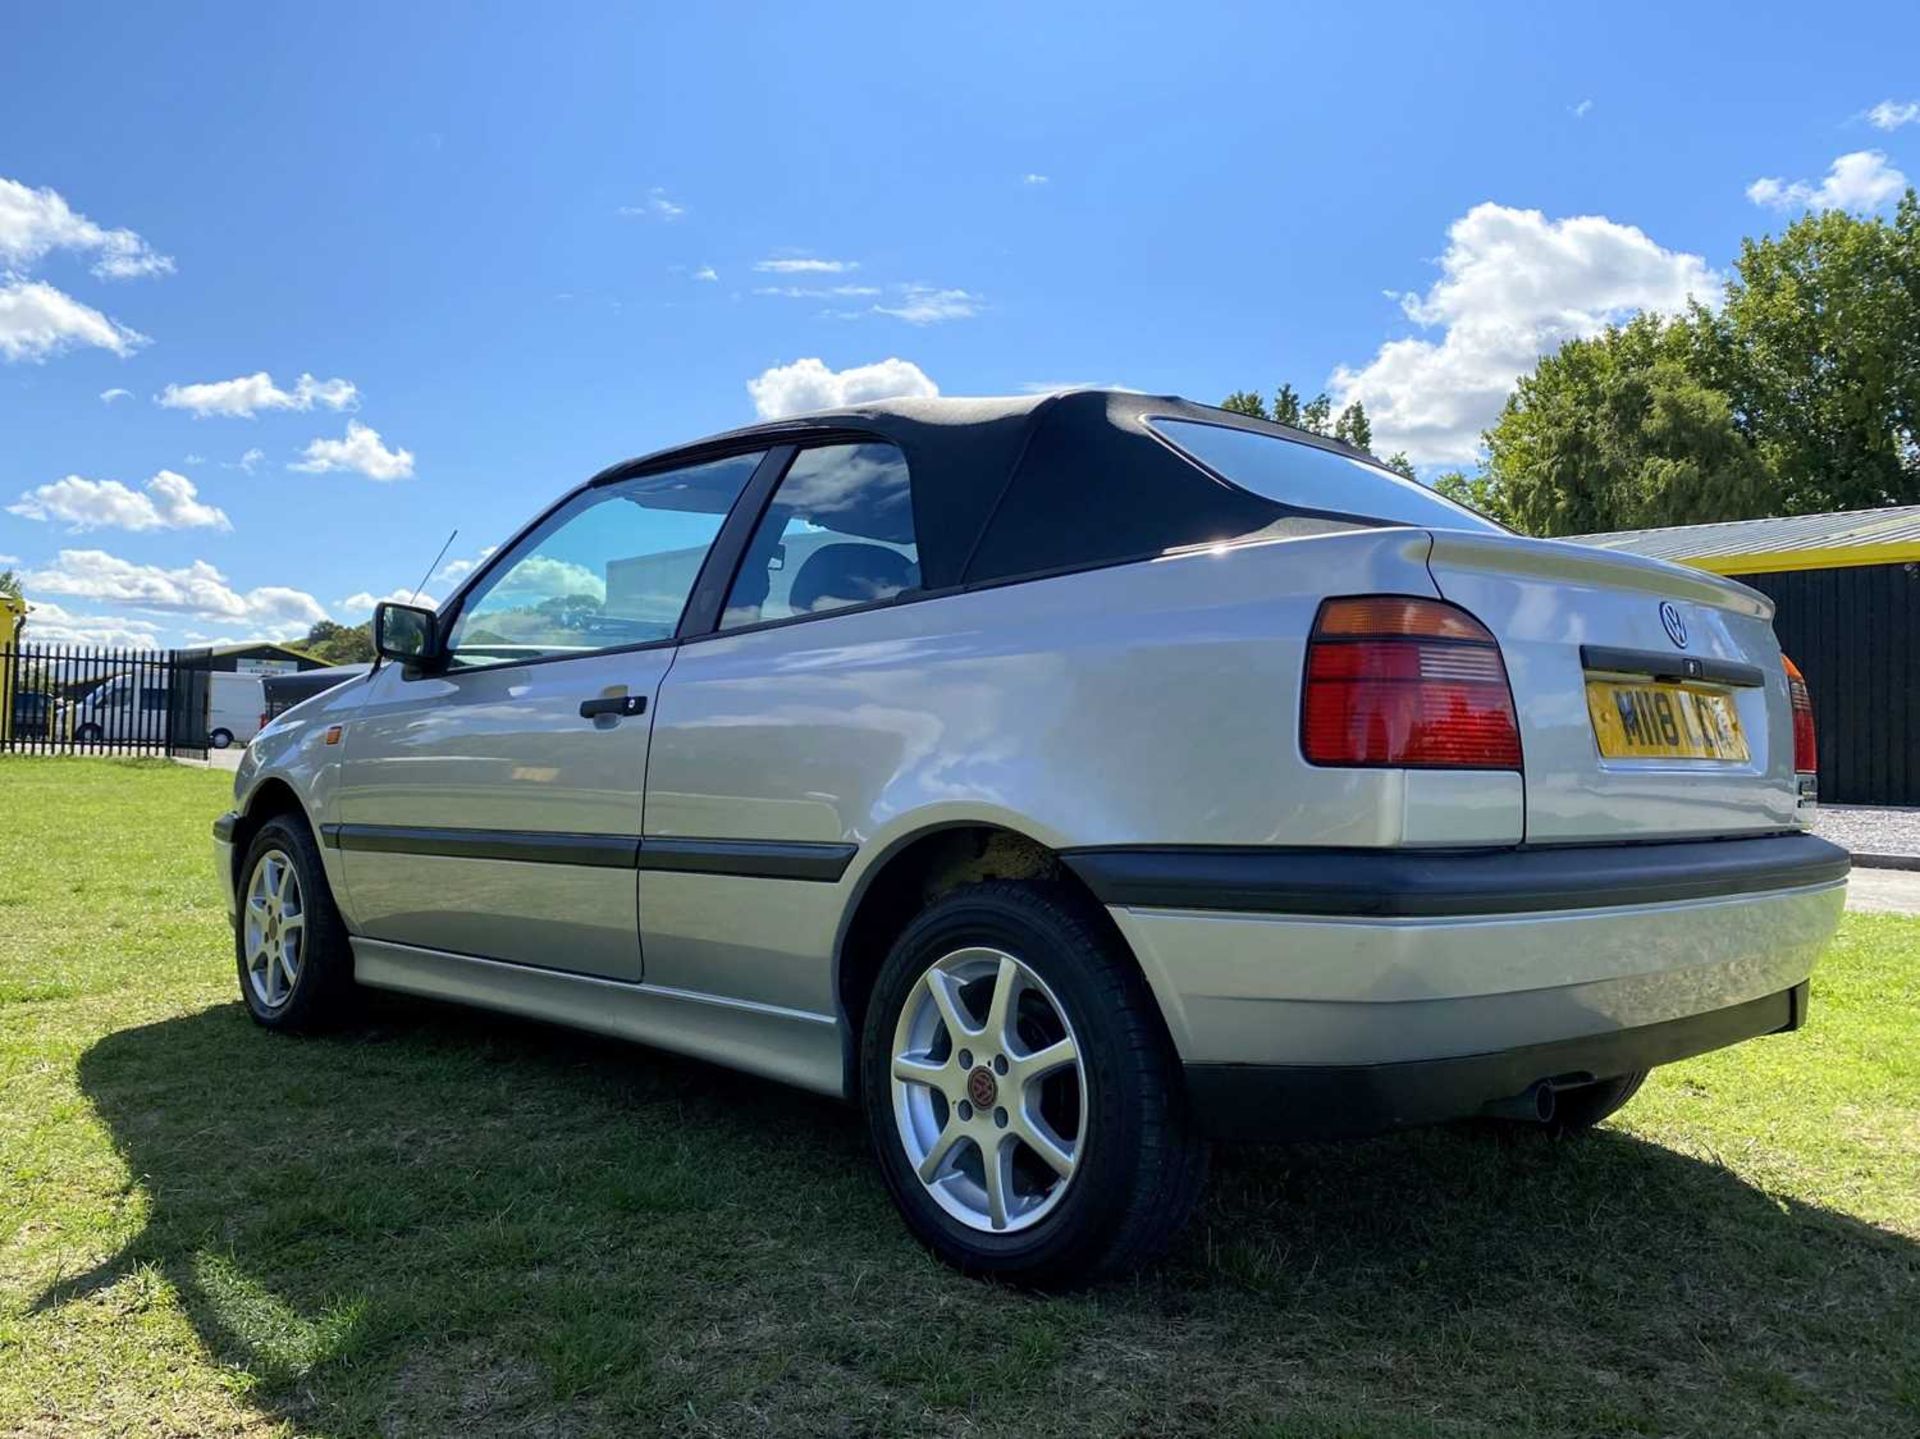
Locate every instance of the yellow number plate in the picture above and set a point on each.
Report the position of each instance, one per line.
(1664, 721)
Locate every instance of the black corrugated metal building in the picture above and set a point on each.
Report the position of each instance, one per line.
(1847, 591)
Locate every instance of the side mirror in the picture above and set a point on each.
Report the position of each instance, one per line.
(406, 633)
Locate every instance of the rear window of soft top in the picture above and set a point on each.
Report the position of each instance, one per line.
(1307, 477)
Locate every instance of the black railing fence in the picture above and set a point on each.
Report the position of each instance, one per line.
(92, 699)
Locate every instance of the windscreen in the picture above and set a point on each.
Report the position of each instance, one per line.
(1309, 478)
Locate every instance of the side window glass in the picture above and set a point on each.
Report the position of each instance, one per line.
(838, 532)
(611, 567)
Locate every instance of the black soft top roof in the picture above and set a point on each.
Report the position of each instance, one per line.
(1025, 484)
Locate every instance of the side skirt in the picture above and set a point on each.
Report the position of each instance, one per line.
(789, 1045)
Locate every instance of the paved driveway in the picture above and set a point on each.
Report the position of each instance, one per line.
(1889, 891)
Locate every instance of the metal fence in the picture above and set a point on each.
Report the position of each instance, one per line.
(90, 699)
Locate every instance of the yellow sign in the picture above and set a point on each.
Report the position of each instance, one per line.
(1664, 721)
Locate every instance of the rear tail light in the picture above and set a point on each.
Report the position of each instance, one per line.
(1805, 758)
(1397, 682)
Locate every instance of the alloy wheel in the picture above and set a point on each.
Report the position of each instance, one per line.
(275, 928)
(989, 1092)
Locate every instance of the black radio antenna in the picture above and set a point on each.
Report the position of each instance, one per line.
(436, 562)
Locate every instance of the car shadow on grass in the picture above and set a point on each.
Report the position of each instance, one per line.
(444, 1220)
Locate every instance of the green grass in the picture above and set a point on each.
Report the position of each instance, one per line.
(446, 1222)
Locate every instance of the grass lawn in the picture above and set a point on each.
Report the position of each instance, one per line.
(447, 1222)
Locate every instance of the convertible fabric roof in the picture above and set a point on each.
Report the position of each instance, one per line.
(1023, 485)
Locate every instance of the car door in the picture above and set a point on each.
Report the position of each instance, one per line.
(776, 733)
(493, 807)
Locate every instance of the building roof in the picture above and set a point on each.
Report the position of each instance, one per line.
(1844, 538)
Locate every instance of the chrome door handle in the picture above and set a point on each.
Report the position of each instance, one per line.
(613, 705)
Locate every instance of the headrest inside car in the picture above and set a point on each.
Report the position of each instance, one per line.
(851, 574)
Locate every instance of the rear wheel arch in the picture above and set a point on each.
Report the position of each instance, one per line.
(914, 872)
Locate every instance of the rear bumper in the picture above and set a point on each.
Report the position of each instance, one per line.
(1420, 984)
(1426, 883)
(1255, 1102)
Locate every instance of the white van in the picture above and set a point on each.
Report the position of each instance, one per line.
(132, 709)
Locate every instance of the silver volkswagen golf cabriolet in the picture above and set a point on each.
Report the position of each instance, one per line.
(1069, 782)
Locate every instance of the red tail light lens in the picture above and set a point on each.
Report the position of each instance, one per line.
(1406, 683)
(1805, 757)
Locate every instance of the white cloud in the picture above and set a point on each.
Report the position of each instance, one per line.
(544, 577)
(926, 305)
(54, 624)
(1892, 114)
(245, 395)
(809, 385)
(107, 397)
(816, 292)
(706, 272)
(248, 460)
(656, 206)
(361, 450)
(170, 502)
(1514, 286)
(37, 320)
(453, 571)
(805, 267)
(196, 589)
(1032, 179)
(357, 607)
(1580, 111)
(1864, 180)
(35, 222)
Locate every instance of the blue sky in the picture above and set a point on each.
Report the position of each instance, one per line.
(510, 245)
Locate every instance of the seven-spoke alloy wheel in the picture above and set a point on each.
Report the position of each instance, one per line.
(274, 925)
(989, 1094)
(1021, 1092)
(295, 963)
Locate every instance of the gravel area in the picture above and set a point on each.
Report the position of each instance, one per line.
(1867, 829)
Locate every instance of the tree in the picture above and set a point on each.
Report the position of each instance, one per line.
(1315, 414)
(1286, 406)
(1476, 492)
(1246, 402)
(1400, 463)
(1818, 349)
(339, 644)
(1352, 427)
(1616, 432)
(10, 584)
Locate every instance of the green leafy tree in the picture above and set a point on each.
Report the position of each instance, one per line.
(1618, 432)
(1246, 402)
(1818, 349)
(1352, 427)
(1286, 406)
(339, 644)
(1400, 464)
(1477, 492)
(10, 584)
(1315, 414)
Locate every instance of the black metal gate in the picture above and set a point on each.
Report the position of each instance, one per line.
(90, 699)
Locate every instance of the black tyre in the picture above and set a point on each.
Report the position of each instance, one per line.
(220, 738)
(88, 733)
(1021, 1092)
(296, 969)
(1575, 1110)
